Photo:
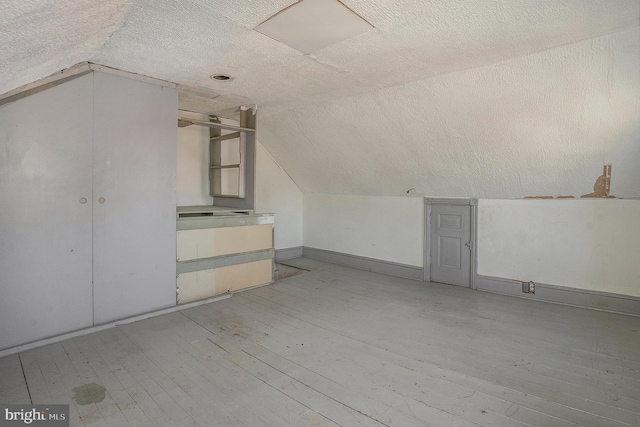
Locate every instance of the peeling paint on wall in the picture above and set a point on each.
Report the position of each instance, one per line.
(602, 187)
(549, 197)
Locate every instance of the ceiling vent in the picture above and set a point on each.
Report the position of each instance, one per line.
(221, 77)
(310, 25)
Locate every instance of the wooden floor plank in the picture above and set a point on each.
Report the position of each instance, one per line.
(342, 359)
(532, 345)
(325, 340)
(13, 388)
(431, 350)
(340, 347)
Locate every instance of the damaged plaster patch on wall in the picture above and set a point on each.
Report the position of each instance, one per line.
(602, 187)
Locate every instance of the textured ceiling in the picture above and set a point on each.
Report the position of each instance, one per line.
(474, 98)
(187, 41)
(537, 125)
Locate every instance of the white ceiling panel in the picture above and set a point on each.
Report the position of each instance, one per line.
(310, 25)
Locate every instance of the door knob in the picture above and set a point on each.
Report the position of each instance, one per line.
(101, 200)
(83, 200)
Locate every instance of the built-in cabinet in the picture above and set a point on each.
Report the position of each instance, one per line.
(87, 212)
(221, 251)
(135, 137)
(46, 210)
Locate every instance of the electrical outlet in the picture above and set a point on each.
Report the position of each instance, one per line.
(528, 288)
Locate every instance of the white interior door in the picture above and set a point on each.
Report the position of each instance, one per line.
(450, 244)
(45, 213)
(135, 135)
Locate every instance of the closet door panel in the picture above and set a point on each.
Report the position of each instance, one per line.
(45, 213)
(135, 134)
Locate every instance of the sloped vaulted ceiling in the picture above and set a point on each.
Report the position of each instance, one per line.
(459, 97)
(537, 125)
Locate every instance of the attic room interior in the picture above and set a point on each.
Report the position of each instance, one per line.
(320, 212)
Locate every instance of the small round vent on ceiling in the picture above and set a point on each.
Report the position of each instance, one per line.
(221, 77)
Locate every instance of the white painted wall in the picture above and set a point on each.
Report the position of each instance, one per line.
(384, 228)
(588, 244)
(192, 175)
(275, 191)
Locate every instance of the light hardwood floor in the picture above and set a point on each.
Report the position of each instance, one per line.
(337, 346)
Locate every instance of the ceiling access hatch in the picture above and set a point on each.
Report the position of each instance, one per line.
(310, 25)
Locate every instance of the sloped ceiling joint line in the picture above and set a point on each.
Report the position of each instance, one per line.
(329, 66)
(621, 29)
(43, 87)
(55, 79)
(129, 74)
(278, 164)
(70, 73)
(117, 30)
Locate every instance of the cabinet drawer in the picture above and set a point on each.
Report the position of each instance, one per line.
(241, 276)
(203, 284)
(198, 285)
(211, 242)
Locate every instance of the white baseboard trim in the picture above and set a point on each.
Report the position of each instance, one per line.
(24, 347)
(595, 300)
(364, 263)
(288, 253)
